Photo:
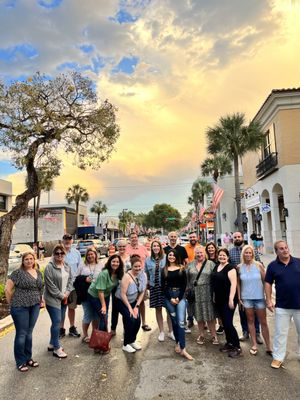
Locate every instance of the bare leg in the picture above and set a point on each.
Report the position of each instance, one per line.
(185, 354)
(169, 323)
(251, 327)
(71, 315)
(159, 319)
(143, 312)
(212, 327)
(95, 323)
(85, 328)
(261, 314)
(201, 325)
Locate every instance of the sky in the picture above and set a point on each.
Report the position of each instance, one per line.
(172, 67)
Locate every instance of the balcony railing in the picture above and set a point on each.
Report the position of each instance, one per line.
(267, 165)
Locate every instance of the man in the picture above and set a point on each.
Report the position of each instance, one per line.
(285, 272)
(235, 259)
(190, 247)
(73, 259)
(180, 250)
(135, 248)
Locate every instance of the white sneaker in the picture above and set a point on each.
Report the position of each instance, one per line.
(60, 353)
(161, 337)
(128, 348)
(171, 335)
(136, 346)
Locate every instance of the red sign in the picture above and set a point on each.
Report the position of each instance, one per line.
(202, 226)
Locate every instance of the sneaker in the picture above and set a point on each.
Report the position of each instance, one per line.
(244, 337)
(259, 339)
(136, 346)
(128, 349)
(60, 353)
(161, 337)
(73, 332)
(226, 348)
(234, 353)
(62, 333)
(171, 335)
(187, 330)
(220, 330)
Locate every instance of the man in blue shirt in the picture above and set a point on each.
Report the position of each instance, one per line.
(285, 272)
(235, 259)
(73, 259)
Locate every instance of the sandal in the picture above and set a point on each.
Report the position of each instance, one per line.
(146, 328)
(85, 339)
(23, 368)
(200, 340)
(215, 340)
(253, 351)
(269, 353)
(32, 363)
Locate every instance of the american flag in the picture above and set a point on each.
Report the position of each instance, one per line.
(218, 194)
(201, 213)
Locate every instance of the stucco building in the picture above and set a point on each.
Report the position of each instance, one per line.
(5, 196)
(272, 175)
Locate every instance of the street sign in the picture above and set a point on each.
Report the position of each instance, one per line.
(265, 208)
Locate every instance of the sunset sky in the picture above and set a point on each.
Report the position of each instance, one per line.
(172, 67)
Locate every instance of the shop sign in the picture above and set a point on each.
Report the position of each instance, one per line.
(252, 201)
(265, 208)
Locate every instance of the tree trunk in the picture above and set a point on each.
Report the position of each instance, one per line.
(237, 193)
(98, 219)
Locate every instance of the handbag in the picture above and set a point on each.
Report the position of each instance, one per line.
(100, 340)
(190, 293)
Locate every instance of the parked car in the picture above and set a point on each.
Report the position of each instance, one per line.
(82, 246)
(15, 255)
(21, 248)
(101, 246)
(183, 240)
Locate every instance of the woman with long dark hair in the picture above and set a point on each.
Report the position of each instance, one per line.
(100, 290)
(174, 281)
(23, 292)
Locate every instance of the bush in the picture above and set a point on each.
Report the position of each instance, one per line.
(2, 291)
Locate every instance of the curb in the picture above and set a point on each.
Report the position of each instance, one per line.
(6, 323)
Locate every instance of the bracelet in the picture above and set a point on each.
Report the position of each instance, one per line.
(137, 306)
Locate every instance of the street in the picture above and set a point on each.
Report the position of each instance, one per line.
(155, 372)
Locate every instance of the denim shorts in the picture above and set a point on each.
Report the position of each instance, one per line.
(259, 304)
(89, 314)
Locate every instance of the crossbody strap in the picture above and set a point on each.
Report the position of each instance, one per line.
(200, 272)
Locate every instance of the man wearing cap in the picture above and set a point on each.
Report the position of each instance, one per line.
(73, 259)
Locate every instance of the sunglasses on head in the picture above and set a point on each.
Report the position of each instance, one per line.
(59, 253)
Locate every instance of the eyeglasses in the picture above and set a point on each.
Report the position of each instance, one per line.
(59, 253)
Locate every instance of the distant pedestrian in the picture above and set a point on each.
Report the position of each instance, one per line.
(23, 292)
(174, 281)
(58, 284)
(41, 250)
(130, 294)
(285, 273)
(227, 240)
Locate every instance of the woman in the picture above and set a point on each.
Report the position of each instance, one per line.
(58, 284)
(100, 290)
(153, 266)
(23, 292)
(173, 282)
(252, 297)
(212, 254)
(199, 280)
(130, 294)
(86, 274)
(224, 283)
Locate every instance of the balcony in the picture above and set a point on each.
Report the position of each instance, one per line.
(267, 165)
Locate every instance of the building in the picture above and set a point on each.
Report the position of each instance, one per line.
(5, 196)
(272, 175)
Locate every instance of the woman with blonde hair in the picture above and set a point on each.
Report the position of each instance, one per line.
(86, 274)
(23, 292)
(251, 275)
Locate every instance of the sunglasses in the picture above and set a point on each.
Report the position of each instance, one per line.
(59, 253)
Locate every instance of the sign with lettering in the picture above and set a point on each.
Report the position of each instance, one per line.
(265, 208)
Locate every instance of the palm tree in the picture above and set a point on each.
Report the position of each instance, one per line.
(216, 166)
(200, 188)
(98, 208)
(76, 194)
(233, 138)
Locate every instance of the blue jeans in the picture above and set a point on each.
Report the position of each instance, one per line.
(283, 318)
(114, 310)
(96, 305)
(24, 319)
(57, 315)
(177, 314)
(131, 325)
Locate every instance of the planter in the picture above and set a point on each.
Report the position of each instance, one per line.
(4, 309)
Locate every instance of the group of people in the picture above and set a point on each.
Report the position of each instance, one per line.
(199, 283)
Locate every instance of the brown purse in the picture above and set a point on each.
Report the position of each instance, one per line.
(100, 340)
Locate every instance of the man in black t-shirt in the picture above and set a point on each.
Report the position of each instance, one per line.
(180, 250)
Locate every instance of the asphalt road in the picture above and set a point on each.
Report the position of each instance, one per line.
(155, 372)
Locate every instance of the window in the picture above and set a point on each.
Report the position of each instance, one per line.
(269, 145)
(2, 202)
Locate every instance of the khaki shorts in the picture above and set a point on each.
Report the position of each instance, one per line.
(72, 300)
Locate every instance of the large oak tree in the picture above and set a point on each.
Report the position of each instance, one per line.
(43, 120)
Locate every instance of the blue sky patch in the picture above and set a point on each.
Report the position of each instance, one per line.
(50, 3)
(26, 50)
(10, 3)
(126, 65)
(6, 169)
(87, 48)
(124, 16)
